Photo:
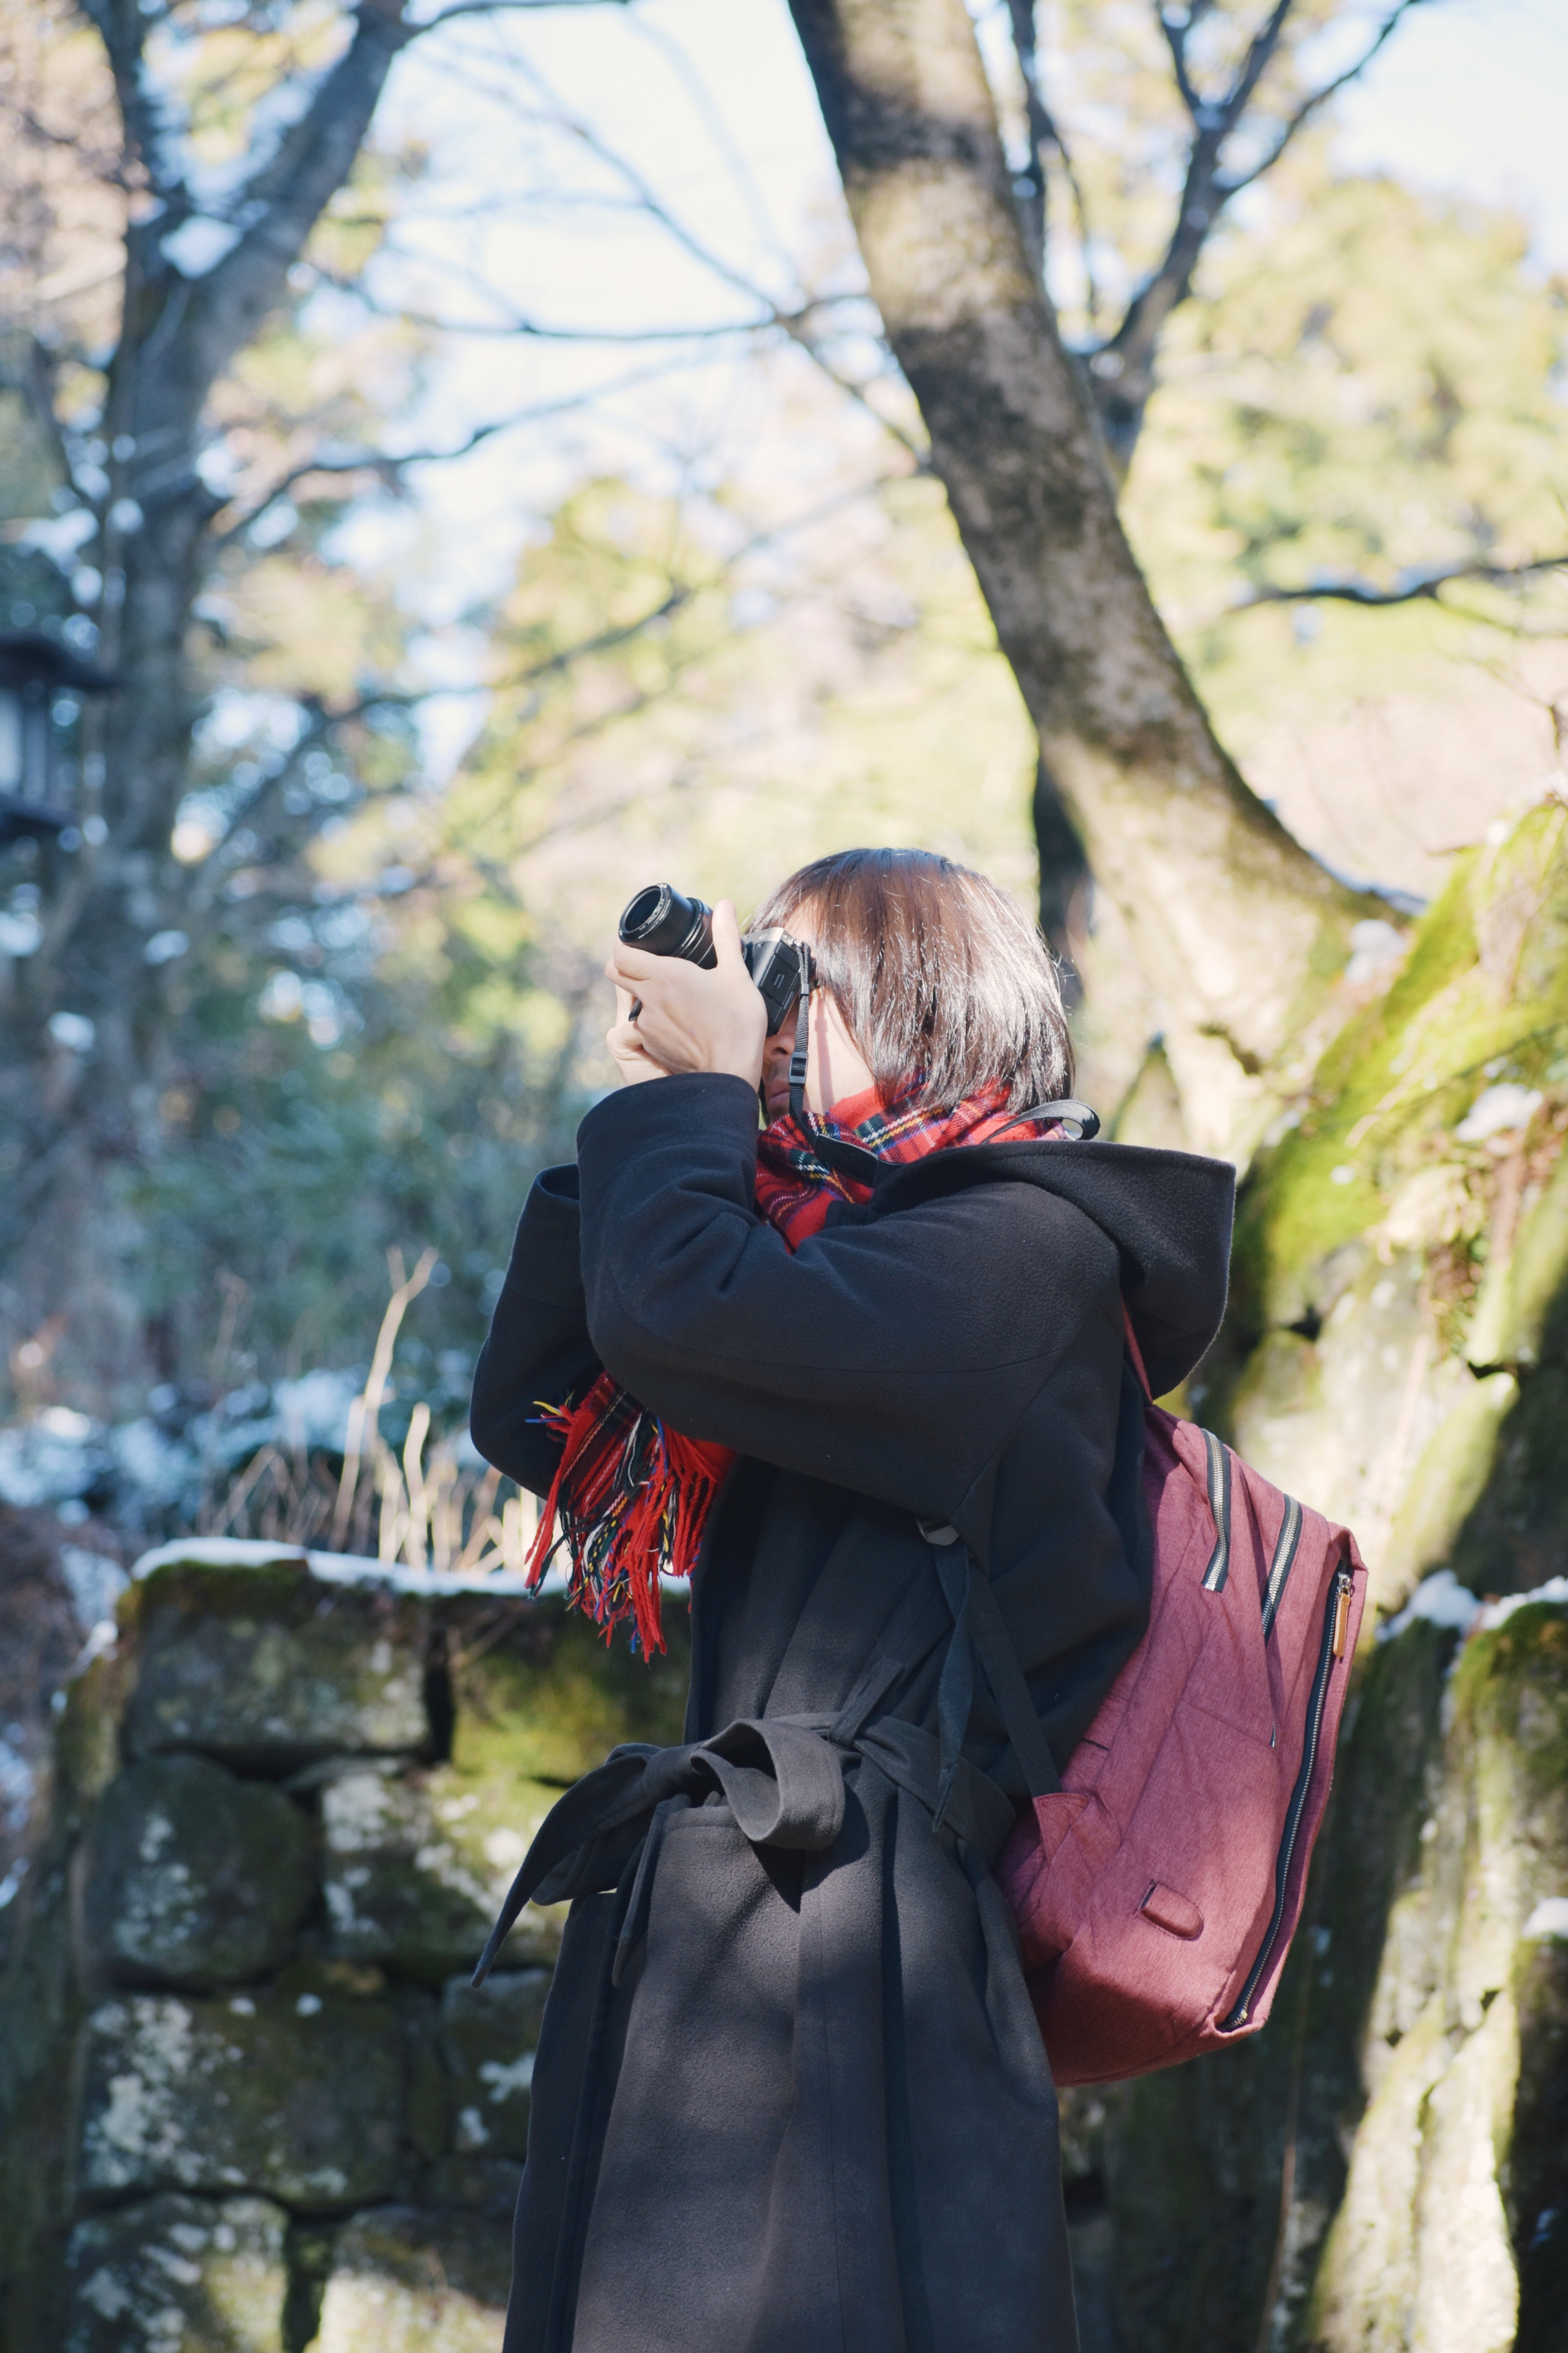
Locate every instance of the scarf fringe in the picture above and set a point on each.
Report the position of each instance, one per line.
(632, 1498)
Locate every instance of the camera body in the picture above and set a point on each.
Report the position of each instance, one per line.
(661, 921)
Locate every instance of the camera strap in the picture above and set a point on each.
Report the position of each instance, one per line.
(847, 1159)
(798, 1058)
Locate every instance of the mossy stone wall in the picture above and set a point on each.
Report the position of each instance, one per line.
(249, 2102)
(1384, 2170)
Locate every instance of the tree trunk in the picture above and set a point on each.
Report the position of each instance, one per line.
(73, 1117)
(1239, 931)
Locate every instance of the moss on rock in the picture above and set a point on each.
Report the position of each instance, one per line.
(1450, 1478)
(179, 2275)
(1486, 983)
(1438, 2242)
(1515, 1537)
(193, 1878)
(399, 1890)
(297, 2095)
(489, 2036)
(407, 2282)
(270, 1668)
(548, 1700)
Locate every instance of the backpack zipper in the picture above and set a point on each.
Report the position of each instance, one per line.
(1336, 1618)
(1218, 1460)
(1286, 1547)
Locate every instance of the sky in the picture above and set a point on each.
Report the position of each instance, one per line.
(1469, 96)
(706, 106)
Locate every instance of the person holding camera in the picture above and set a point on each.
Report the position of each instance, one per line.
(859, 1368)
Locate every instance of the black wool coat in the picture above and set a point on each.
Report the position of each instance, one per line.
(790, 2096)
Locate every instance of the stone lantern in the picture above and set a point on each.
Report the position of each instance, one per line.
(35, 670)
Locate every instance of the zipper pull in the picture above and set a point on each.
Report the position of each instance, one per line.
(1344, 1589)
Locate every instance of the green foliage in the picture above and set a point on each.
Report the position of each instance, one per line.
(1369, 388)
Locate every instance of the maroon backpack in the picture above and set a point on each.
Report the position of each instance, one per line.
(1156, 1891)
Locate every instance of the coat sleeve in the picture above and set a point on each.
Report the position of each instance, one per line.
(538, 1347)
(890, 1355)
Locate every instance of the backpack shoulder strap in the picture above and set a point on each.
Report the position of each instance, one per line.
(1136, 1353)
(998, 1658)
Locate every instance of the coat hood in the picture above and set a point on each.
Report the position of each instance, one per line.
(1168, 1213)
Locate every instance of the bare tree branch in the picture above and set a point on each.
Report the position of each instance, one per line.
(617, 337)
(287, 194)
(1410, 592)
(1319, 98)
(1123, 367)
(456, 8)
(388, 465)
(1046, 131)
(718, 129)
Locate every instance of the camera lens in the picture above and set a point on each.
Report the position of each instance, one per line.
(661, 923)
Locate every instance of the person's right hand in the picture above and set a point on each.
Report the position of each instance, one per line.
(628, 1046)
(692, 1019)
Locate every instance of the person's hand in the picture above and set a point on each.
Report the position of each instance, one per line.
(628, 1046)
(691, 1020)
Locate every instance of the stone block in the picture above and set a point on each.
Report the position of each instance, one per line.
(194, 1878)
(547, 1701)
(416, 1868)
(486, 2185)
(407, 2282)
(1520, 1310)
(402, 1890)
(295, 2093)
(270, 1668)
(489, 2036)
(178, 2276)
(1448, 1480)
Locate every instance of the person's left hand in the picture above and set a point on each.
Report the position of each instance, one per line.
(691, 1020)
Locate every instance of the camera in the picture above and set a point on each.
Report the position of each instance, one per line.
(661, 921)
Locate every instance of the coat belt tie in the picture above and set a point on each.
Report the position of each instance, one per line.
(781, 1775)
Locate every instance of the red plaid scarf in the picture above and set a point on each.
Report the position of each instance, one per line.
(632, 1494)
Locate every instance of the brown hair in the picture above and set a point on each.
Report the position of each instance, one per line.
(937, 973)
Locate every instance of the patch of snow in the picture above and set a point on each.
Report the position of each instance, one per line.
(179, 2268)
(18, 1781)
(504, 2081)
(60, 536)
(20, 934)
(96, 1584)
(1496, 1613)
(1374, 945)
(348, 1568)
(313, 1412)
(106, 2294)
(1440, 1600)
(52, 1460)
(61, 1421)
(102, 1638)
(1496, 1111)
(156, 1465)
(1550, 1918)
